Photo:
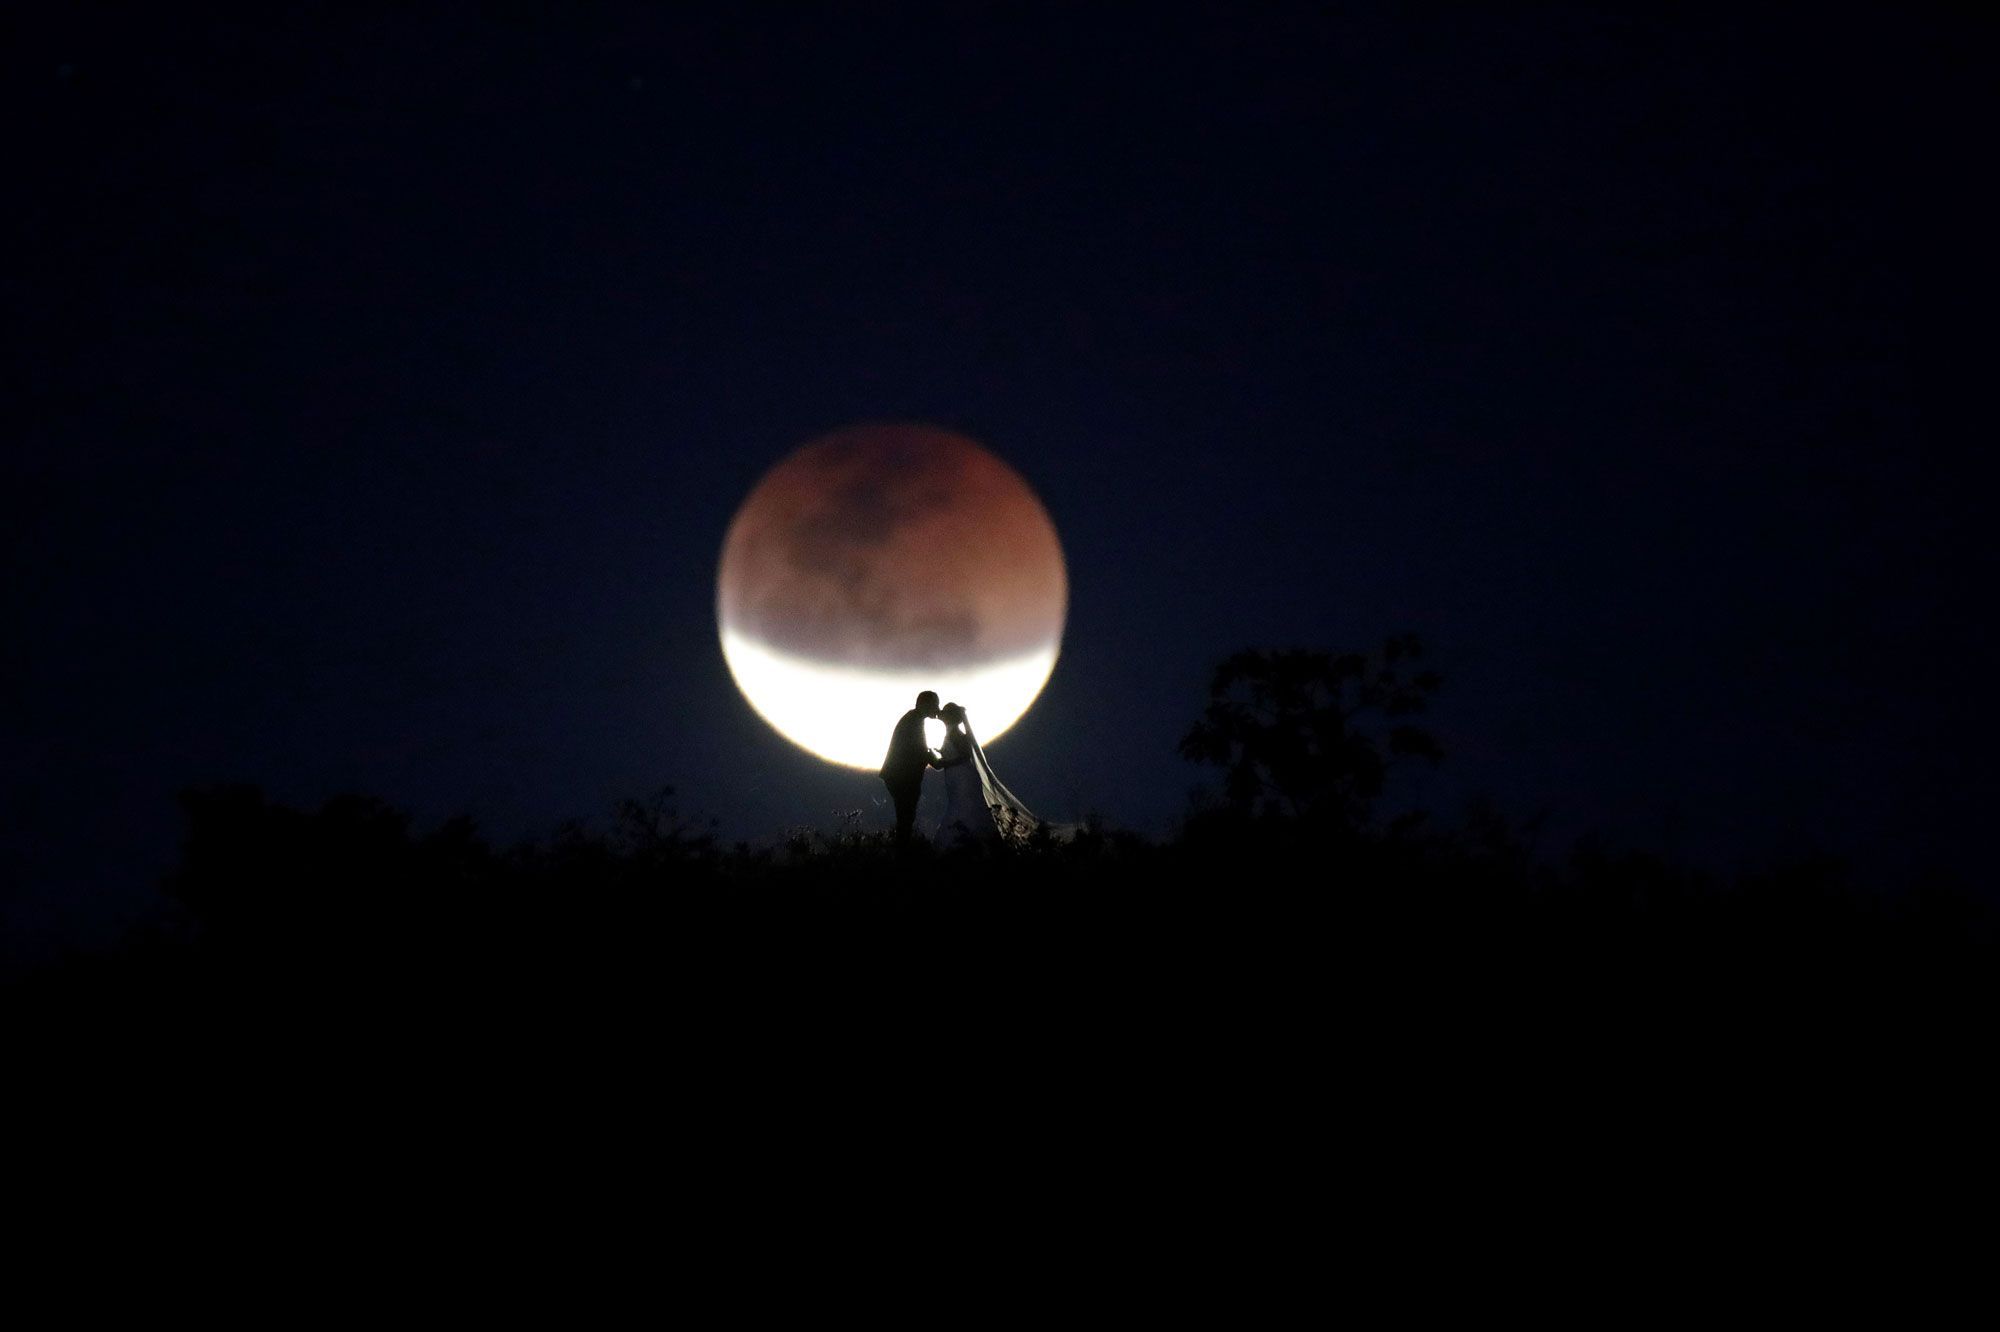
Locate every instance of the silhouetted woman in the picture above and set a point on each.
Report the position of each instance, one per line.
(978, 806)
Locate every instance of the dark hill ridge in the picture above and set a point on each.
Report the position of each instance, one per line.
(1271, 930)
(1291, 914)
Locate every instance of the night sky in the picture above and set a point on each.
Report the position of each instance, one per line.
(384, 386)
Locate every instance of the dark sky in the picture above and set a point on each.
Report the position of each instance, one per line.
(389, 383)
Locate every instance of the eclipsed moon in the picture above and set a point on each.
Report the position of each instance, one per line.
(880, 561)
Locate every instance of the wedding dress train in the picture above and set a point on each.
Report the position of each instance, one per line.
(978, 806)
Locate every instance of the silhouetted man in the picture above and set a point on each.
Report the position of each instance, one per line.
(903, 769)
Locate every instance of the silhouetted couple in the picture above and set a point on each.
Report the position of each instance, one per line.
(978, 807)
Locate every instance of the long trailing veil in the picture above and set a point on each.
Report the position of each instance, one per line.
(1014, 821)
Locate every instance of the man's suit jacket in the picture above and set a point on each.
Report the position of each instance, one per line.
(908, 754)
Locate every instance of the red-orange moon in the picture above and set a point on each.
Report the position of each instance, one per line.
(881, 560)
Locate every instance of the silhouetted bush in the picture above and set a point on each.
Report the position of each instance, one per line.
(1296, 733)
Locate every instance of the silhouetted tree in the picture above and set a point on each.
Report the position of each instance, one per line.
(1314, 735)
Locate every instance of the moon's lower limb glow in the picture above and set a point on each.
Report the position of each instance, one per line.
(844, 714)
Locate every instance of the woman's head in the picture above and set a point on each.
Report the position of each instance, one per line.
(954, 718)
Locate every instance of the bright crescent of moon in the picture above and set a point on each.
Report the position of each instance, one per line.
(839, 713)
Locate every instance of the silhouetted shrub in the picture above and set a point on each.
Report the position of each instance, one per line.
(1313, 735)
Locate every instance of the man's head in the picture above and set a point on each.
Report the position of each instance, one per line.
(927, 704)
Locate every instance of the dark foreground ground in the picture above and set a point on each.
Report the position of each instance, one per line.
(1260, 1041)
(1108, 1077)
(1269, 939)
